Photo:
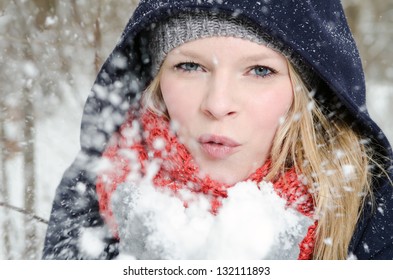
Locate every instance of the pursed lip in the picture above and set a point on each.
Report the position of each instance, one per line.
(216, 146)
(217, 139)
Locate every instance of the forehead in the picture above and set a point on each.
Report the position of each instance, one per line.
(226, 47)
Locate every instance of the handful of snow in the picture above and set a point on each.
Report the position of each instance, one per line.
(253, 223)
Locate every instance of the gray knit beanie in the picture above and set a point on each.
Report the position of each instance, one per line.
(187, 27)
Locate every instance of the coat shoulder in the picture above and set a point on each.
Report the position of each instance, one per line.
(373, 238)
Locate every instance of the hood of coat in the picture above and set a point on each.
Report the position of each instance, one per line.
(316, 31)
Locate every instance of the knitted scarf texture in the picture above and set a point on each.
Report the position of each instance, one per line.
(137, 143)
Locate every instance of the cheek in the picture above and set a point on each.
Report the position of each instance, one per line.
(270, 107)
(179, 100)
(170, 90)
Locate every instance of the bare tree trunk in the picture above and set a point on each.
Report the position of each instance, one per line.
(97, 42)
(4, 187)
(29, 175)
(30, 250)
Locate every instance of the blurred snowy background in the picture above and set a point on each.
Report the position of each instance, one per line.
(50, 52)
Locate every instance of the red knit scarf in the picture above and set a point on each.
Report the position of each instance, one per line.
(130, 152)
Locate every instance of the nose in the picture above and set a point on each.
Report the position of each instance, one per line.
(220, 100)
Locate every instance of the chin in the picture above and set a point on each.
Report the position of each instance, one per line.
(221, 177)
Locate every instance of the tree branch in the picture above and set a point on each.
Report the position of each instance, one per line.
(24, 211)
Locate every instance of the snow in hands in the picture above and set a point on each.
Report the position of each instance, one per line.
(252, 223)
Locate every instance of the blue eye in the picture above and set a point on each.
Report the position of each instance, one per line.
(188, 66)
(262, 71)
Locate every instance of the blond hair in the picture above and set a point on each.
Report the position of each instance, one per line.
(335, 162)
(327, 152)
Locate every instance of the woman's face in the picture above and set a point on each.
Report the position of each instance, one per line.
(228, 96)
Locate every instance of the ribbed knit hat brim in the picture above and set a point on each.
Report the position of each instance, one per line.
(186, 27)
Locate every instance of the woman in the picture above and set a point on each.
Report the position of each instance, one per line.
(232, 92)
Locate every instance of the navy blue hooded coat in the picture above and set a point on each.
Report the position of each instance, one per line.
(315, 30)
